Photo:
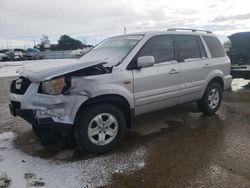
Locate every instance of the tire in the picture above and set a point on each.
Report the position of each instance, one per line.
(211, 99)
(54, 140)
(94, 133)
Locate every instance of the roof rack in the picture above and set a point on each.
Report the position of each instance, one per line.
(193, 30)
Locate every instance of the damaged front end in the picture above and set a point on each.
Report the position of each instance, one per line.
(51, 105)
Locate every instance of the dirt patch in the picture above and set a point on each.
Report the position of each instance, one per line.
(29, 143)
(194, 151)
(175, 154)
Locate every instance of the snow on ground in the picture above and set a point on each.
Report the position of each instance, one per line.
(239, 83)
(8, 69)
(22, 169)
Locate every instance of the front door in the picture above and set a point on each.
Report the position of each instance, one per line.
(156, 87)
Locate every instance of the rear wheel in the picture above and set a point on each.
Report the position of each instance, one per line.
(211, 99)
(100, 128)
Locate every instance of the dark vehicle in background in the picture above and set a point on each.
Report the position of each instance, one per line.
(3, 55)
(20, 54)
(240, 51)
(7, 55)
(240, 55)
(11, 55)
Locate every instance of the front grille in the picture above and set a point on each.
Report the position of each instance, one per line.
(20, 85)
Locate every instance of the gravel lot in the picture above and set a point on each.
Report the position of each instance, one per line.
(176, 147)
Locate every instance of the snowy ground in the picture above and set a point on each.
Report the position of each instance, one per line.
(27, 171)
(239, 83)
(8, 69)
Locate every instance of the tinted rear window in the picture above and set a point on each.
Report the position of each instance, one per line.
(187, 47)
(214, 46)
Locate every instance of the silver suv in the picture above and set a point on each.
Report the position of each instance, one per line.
(93, 99)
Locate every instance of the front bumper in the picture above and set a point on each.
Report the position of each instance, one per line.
(59, 108)
(29, 116)
(53, 135)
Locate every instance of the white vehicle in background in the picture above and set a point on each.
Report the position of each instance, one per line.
(77, 53)
(80, 52)
(18, 56)
(94, 99)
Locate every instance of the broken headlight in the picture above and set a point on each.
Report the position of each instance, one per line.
(55, 86)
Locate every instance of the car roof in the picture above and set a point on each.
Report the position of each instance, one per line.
(183, 32)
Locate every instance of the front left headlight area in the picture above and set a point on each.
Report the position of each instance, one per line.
(55, 86)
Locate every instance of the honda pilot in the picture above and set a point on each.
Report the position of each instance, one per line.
(94, 99)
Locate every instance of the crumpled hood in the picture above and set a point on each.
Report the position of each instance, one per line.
(45, 70)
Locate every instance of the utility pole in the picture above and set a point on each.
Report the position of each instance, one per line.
(125, 30)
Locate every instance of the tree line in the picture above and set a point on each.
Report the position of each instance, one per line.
(65, 42)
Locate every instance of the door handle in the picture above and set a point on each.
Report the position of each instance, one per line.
(207, 66)
(173, 71)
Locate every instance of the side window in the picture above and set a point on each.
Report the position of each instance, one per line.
(214, 46)
(187, 47)
(161, 47)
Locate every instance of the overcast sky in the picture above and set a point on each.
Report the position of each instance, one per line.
(22, 21)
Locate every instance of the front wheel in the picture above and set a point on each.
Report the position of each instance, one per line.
(211, 99)
(100, 128)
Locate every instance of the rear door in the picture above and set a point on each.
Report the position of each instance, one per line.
(192, 59)
(218, 59)
(155, 87)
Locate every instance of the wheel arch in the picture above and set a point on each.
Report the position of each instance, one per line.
(114, 99)
(214, 76)
(218, 80)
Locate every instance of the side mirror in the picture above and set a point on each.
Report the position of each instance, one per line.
(145, 61)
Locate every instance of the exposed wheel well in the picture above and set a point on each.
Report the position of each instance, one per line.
(218, 80)
(115, 100)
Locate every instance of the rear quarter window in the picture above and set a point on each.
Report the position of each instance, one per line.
(187, 47)
(214, 46)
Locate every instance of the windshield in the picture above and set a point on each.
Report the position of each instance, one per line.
(112, 50)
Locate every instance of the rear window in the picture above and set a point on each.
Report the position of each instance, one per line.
(187, 47)
(214, 46)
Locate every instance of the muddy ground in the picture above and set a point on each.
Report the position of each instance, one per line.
(184, 148)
